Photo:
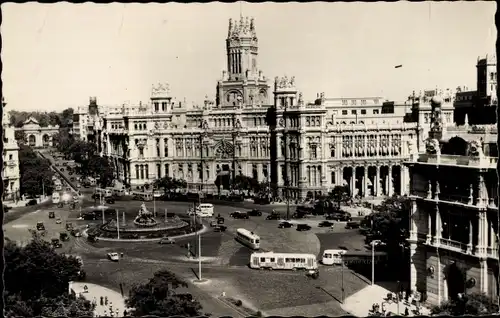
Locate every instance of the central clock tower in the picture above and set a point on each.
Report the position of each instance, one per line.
(242, 84)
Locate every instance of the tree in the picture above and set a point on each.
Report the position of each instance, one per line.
(36, 175)
(66, 117)
(339, 194)
(20, 136)
(470, 304)
(36, 282)
(159, 298)
(63, 142)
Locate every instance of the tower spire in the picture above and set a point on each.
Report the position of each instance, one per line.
(241, 9)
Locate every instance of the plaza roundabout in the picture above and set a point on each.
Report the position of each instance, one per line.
(224, 261)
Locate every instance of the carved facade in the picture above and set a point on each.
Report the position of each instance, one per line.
(454, 215)
(10, 169)
(331, 141)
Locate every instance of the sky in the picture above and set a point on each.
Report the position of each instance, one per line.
(58, 55)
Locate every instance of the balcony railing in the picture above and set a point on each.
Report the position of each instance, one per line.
(455, 198)
(455, 160)
(492, 252)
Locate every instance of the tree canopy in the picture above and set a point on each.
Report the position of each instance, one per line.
(63, 119)
(392, 218)
(473, 304)
(169, 184)
(158, 297)
(36, 282)
(36, 175)
(339, 194)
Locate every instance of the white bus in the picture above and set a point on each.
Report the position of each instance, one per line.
(205, 210)
(291, 261)
(55, 197)
(142, 196)
(248, 238)
(332, 257)
(58, 187)
(105, 193)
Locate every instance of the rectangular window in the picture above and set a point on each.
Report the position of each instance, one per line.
(167, 169)
(333, 177)
(353, 102)
(137, 171)
(363, 112)
(147, 171)
(344, 112)
(163, 106)
(158, 171)
(353, 112)
(314, 153)
(375, 112)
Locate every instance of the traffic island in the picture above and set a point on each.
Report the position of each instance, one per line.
(240, 307)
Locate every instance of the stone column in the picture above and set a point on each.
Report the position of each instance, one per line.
(339, 176)
(429, 237)
(483, 265)
(438, 226)
(365, 181)
(377, 139)
(338, 147)
(353, 181)
(413, 268)
(365, 145)
(402, 180)
(390, 144)
(471, 237)
(413, 222)
(377, 182)
(389, 181)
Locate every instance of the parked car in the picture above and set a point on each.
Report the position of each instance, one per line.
(113, 256)
(76, 233)
(213, 223)
(6, 208)
(303, 227)
(340, 216)
(31, 202)
(56, 243)
(352, 225)
(255, 212)
(69, 226)
(40, 226)
(64, 164)
(72, 179)
(273, 216)
(285, 225)
(52, 215)
(166, 240)
(239, 215)
(62, 169)
(220, 228)
(56, 164)
(58, 220)
(110, 200)
(78, 186)
(325, 224)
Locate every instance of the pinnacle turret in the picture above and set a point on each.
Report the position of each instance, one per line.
(243, 28)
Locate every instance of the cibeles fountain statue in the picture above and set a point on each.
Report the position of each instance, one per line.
(145, 218)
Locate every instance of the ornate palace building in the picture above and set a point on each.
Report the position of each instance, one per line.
(38, 136)
(454, 215)
(360, 142)
(10, 169)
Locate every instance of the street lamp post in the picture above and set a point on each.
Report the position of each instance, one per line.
(375, 242)
(117, 224)
(342, 274)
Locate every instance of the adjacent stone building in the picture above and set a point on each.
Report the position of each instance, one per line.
(10, 169)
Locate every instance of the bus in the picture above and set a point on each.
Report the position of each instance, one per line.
(119, 192)
(336, 257)
(332, 257)
(290, 261)
(55, 197)
(59, 187)
(142, 196)
(248, 238)
(205, 210)
(104, 193)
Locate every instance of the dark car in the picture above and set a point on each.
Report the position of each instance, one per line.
(6, 208)
(255, 212)
(62, 169)
(220, 228)
(239, 215)
(64, 164)
(56, 243)
(303, 227)
(325, 224)
(64, 236)
(340, 216)
(166, 240)
(285, 225)
(31, 202)
(352, 225)
(110, 200)
(52, 215)
(69, 226)
(40, 226)
(273, 216)
(72, 179)
(56, 164)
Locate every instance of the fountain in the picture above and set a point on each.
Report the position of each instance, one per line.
(146, 226)
(145, 218)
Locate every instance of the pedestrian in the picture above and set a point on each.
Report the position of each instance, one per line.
(106, 300)
(125, 313)
(407, 312)
(102, 301)
(121, 254)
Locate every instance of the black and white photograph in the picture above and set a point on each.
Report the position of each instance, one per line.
(250, 159)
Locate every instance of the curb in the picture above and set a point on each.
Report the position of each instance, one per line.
(203, 230)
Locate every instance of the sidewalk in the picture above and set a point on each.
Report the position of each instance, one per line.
(116, 302)
(21, 203)
(360, 303)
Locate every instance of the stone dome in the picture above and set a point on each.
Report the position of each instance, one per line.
(436, 100)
